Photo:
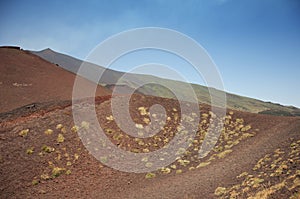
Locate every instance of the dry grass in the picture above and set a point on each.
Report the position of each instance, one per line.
(271, 175)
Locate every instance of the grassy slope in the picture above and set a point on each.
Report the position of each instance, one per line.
(235, 102)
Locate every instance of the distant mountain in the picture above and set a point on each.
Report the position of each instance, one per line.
(111, 77)
(73, 64)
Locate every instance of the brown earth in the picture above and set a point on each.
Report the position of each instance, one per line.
(26, 78)
(42, 156)
(28, 172)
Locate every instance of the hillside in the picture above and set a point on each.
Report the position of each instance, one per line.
(110, 77)
(44, 154)
(26, 78)
(43, 157)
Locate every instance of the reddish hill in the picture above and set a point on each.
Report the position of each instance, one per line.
(41, 156)
(26, 78)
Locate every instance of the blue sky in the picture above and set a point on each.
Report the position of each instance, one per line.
(254, 43)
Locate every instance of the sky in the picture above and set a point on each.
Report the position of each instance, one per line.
(254, 43)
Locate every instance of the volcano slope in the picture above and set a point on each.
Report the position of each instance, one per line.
(26, 79)
(42, 155)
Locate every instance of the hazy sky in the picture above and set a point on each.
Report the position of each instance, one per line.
(254, 43)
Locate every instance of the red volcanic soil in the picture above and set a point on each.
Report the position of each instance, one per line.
(35, 164)
(42, 153)
(26, 78)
